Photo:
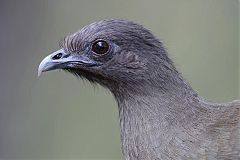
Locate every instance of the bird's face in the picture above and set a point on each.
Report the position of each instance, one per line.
(81, 57)
(107, 52)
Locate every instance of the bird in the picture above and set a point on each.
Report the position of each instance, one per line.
(160, 115)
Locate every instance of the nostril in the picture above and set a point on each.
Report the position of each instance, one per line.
(57, 56)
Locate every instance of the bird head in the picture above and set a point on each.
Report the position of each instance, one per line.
(110, 52)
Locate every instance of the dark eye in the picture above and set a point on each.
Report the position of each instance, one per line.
(100, 47)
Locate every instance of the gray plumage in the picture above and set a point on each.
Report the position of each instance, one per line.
(161, 116)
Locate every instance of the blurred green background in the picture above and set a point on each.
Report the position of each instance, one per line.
(59, 116)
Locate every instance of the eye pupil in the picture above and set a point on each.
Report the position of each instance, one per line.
(100, 47)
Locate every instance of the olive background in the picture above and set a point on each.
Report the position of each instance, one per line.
(60, 116)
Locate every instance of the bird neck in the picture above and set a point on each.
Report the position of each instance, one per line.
(146, 112)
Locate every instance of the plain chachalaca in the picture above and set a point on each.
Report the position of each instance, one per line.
(161, 116)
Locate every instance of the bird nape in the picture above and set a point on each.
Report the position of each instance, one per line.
(161, 116)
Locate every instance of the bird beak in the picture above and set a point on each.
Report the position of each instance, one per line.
(62, 60)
